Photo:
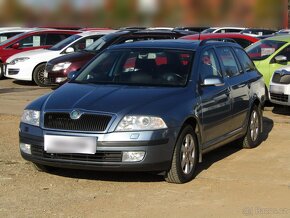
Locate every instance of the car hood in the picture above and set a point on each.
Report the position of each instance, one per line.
(115, 99)
(46, 54)
(73, 57)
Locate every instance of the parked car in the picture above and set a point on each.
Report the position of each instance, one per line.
(147, 106)
(242, 40)
(192, 28)
(270, 54)
(280, 86)
(40, 38)
(30, 65)
(56, 75)
(223, 30)
(256, 32)
(9, 32)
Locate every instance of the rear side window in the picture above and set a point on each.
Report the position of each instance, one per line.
(228, 61)
(244, 59)
(32, 41)
(53, 38)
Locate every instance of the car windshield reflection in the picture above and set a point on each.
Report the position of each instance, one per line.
(150, 67)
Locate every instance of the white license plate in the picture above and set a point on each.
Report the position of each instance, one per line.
(70, 144)
(45, 74)
(277, 89)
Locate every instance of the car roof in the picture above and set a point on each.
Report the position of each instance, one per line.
(220, 35)
(284, 37)
(167, 44)
(95, 32)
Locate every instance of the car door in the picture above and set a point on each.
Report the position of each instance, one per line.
(215, 100)
(239, 84)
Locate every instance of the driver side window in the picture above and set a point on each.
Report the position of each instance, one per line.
(209, 65)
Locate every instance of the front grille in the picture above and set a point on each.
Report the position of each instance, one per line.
(279, 97)
(99, 156)
(13, 71)
(87, 122)
(282, 79)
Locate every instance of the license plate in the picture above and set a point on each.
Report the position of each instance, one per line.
(45, 74)
(277, 89)
(70, 144)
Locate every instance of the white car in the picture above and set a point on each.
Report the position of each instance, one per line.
(29, 65)
(280, 86)
(223, 30)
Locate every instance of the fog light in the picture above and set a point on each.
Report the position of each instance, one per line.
(133, 156)
(26, 148)
(60, 79)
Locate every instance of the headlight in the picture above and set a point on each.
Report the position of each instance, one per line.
(16, 60)
(31, 117)
(61, 66)
(135, 123)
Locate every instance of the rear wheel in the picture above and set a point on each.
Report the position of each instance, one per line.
(38, 75)
(184, 159)
(253, 135)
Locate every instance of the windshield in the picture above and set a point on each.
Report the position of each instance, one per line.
(147, 67)
(62, 44)
(97, 45)
(12, 38)
(209, 30)
(263, 49)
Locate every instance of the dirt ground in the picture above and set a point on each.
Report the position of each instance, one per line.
(231, 182)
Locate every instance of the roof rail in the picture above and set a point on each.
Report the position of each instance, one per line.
(203, 42)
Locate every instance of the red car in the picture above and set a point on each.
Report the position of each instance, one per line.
(40, 38)
(243, 40)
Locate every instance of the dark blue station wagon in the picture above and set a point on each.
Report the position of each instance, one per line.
(147, 106)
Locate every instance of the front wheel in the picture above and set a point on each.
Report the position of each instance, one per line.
(38, 75)
(1, 71)
(185, 157)
(254, 129)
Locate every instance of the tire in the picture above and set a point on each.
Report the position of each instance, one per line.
(184, 158)
(38, 75)
(254, 127)
(43, 168)
(1, 71)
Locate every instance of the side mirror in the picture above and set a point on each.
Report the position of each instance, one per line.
(16, 46)
(213, 81)
(72, 75)
(69, 50)
(281, 59)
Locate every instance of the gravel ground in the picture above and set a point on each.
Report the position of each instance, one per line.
(231, 182)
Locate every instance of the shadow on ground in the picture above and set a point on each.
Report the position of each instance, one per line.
(208, 160)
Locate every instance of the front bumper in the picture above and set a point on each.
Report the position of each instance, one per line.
(108, 156)
(19, 71)
(280, 93)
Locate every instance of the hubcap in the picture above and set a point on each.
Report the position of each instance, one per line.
(254, 126)
(187, 154)
(40, 75)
